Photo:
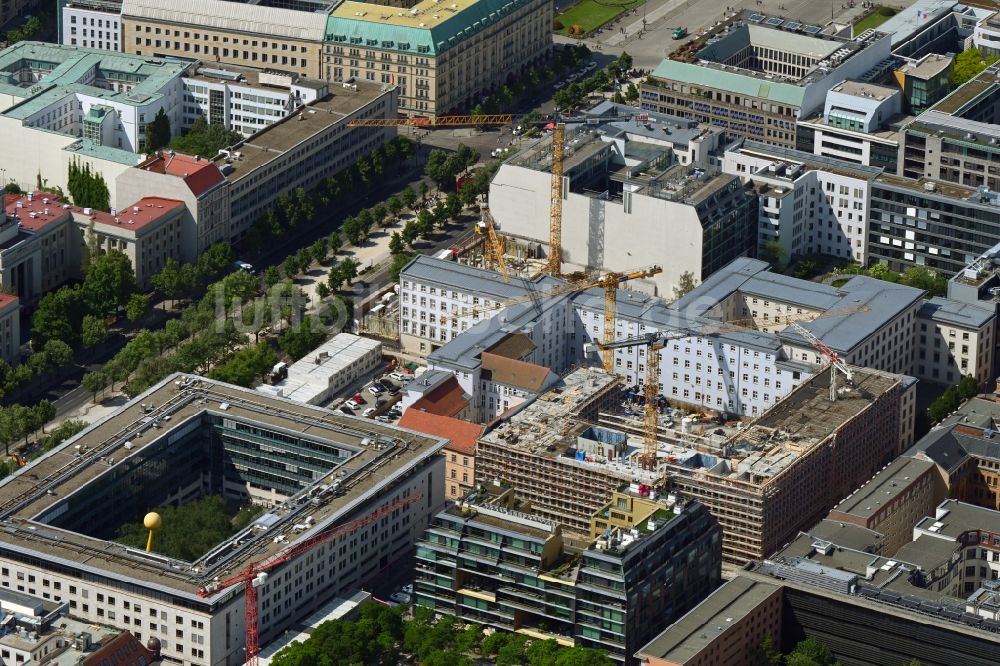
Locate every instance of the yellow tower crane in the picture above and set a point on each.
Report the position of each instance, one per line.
(655, 342)
(554, 265)
(610, 282)
(494, 245)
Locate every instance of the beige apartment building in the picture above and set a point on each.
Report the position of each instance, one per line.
(148, 232)
(443, 55)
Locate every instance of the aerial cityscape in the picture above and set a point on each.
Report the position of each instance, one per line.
(513, 332)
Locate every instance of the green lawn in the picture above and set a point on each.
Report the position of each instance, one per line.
(873, 20)
(591, 14)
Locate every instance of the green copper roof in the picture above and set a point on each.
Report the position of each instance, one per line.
(444, 26)
(741, 84)
(70, 69)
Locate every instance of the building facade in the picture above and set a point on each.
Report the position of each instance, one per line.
(719, 83)
(94, 24)
(193, 619)
(440, 58)
(612, 595)
(623, 180)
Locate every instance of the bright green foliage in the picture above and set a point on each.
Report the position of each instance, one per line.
(88, 189)
(94, 331)
(189, 531)
(810, 652)
(205, 140)
(109, 283)
(31, 27)
(952, 398)
(61, 433)
(399, 261)
(968, 64)
(59, 316)
(299, 340)
(137, 307)
(246, 365)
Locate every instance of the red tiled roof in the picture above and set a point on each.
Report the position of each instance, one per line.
(199, 173)
(150, 209)
(447, 399)
(463, 435)
(6, 300)
(122, 650)
(39, 204)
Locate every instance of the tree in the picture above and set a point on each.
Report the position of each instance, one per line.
(291, 266)
(409, 197)
(968, 387)
(810, 652)
(423, 190)
(136, 308)
(335, 242)
(968, 64)
(766, 654)
(453, 203)
(158, 132)
(94, 331)
(319, 250)
(394, 205)
(272, 276)
(322, 290)
(631, 93)
(349, 268)
(685, 284)
(425, 223)
(396, 244)
(215, 261)
(399, 261)
(109, 282)
(773, 252)
(924, 278)
(246, 365)
(59, 353)
(879, 271)
(204, 139)
(89, 190)
(58, 316)
(169, 281)
(91, 248)
(353, 230)
(299, 340)
(410, 232)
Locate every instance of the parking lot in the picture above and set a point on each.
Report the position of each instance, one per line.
(377, 399)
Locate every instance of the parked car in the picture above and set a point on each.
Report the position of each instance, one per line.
(399, 597)
(559, 84)
(358, 399)
(591, 66)
(350, 406)
(374, 390)
(400, 376)
(380, 386)
(368, 412)
(382, 419)
(407, 589)
(347, 410)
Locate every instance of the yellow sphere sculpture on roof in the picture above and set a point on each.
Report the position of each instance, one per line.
(152, 522)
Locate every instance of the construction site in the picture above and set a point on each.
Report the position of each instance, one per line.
(763, 480)
(312, 470)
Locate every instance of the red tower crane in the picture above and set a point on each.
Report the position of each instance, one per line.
(255, 573)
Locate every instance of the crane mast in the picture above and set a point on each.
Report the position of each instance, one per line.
(254, 575)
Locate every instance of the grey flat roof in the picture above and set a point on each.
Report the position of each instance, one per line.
(847, 535)
(884, 487)
(883, 300)
(957, 313)
(24, 495)
(962, 518)
(730, 603)
(454, 275)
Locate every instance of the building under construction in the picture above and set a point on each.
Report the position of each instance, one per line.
(763, 482)
(188, 437)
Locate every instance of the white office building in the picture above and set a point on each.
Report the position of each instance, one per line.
(809, 204)
(94, 24)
